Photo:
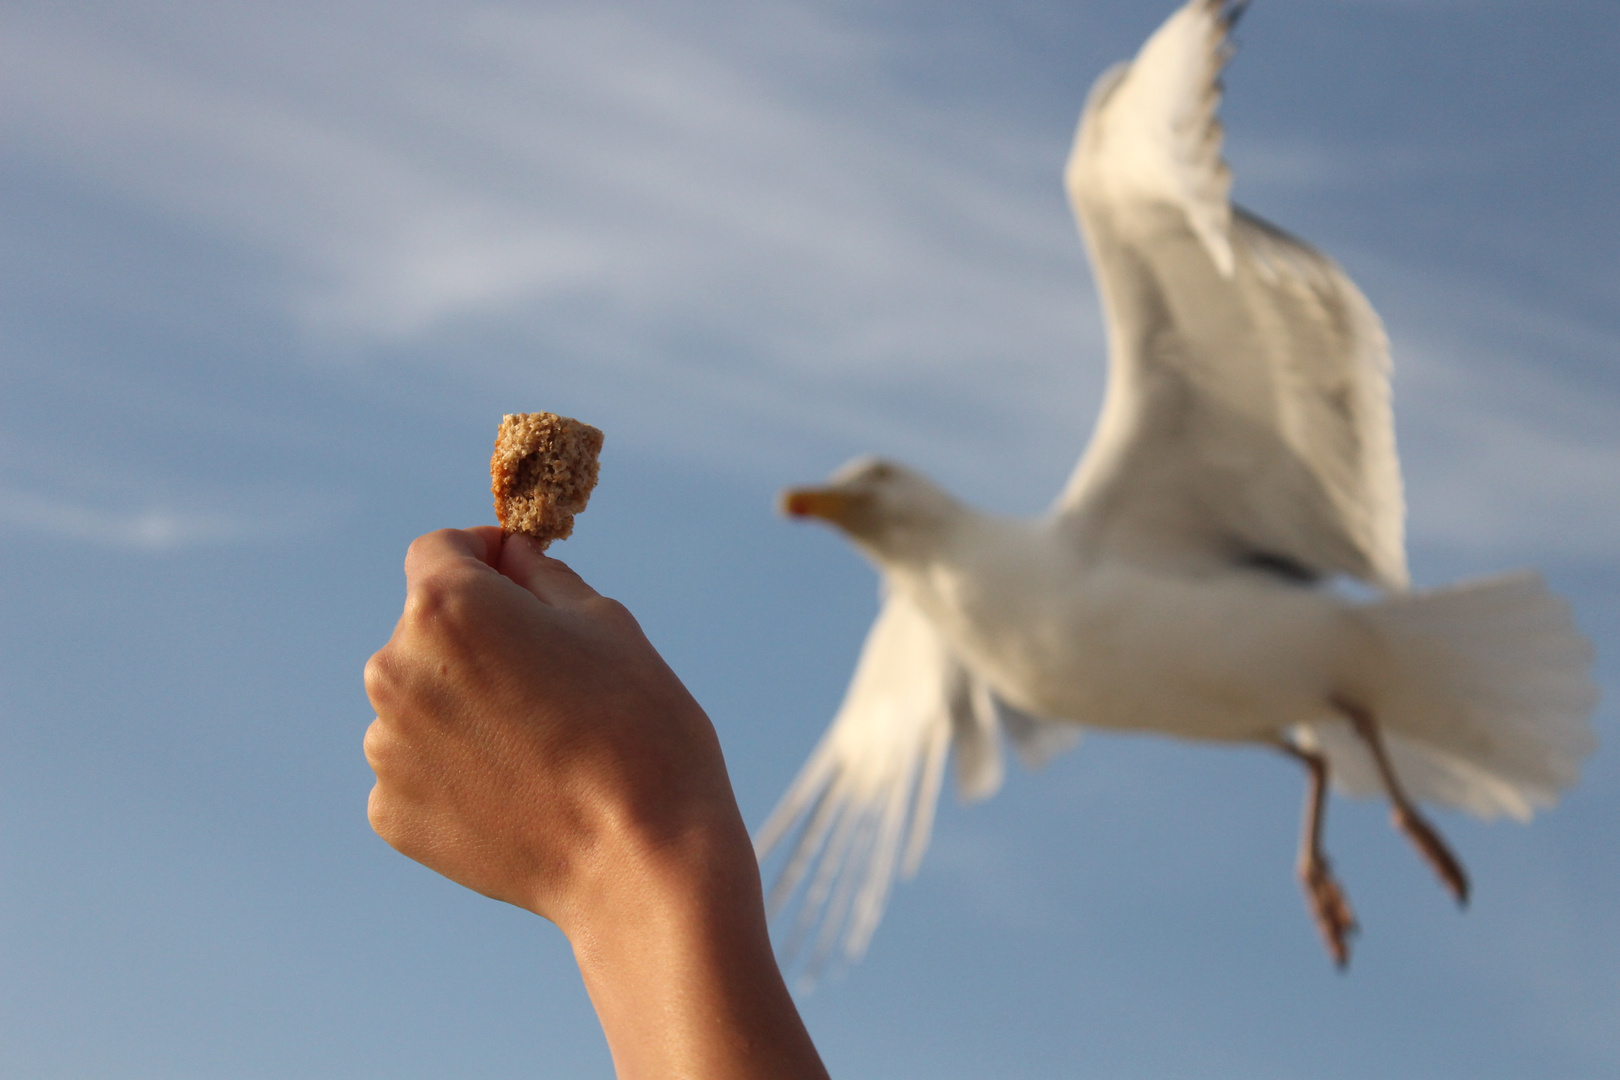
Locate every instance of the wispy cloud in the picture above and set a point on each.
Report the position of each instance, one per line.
(154, 518)
(733, 233)
(999, 884)
(1265, 166)
(147, 530)
(1508, 419)
(748, 214)
(498, 158)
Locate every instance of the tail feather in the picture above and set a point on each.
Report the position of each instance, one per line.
(1487, 701)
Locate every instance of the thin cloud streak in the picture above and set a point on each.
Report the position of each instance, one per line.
(1263, 167)
(158, 527)
(756, 225)
(1511, 439)
(542, 155)
(152, 530)
(746, 246)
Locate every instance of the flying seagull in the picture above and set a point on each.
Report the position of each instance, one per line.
(1181, 583)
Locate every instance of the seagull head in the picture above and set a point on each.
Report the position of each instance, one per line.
(893, 513)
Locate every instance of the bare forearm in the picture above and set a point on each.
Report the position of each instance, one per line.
(678, 963)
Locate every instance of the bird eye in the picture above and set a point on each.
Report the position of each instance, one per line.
(880, 471)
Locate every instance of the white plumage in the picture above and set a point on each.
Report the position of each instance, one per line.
(1245, 455)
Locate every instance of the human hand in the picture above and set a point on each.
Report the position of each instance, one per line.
(530, 743)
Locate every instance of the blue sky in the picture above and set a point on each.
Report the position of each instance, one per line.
(272, 272)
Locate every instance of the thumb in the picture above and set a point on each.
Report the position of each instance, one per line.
(551, 580)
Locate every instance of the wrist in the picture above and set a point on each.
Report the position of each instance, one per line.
(641, 876)
(675, 953)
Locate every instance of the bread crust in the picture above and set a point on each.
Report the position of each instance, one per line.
(542, 473)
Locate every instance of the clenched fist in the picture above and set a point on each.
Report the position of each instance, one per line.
(532, 745)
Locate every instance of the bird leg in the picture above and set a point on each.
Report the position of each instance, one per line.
(1329, 905)
(1404, 813)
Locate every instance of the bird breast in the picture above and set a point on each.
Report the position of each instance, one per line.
(1232, 655)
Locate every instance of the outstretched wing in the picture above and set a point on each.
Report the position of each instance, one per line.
(864, 802)
(1247, 415)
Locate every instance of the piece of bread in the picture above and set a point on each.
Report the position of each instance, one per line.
(542, 473)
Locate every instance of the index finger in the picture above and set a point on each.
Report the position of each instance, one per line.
(448, 547)
(553, 581)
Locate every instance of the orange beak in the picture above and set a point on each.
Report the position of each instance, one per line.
(824, 503)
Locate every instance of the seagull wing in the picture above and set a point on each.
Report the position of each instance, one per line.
(864, 802)
(1247, 414)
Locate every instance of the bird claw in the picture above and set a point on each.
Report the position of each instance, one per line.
(1434, 851)
(1330, 907)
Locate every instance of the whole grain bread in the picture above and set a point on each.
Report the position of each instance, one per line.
(542, 473)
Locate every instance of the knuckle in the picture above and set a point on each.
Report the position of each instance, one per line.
(427, 598)
(382, 677)
(417, 547)
(557, 566)
(611, 611)
(382, 814)
(378, 745)
(437, 598)
(425, 549)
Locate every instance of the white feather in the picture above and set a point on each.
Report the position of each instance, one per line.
(1150, 132)
(868, 791)
(1484, 696)
(1248, 395)
(1245, 450)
